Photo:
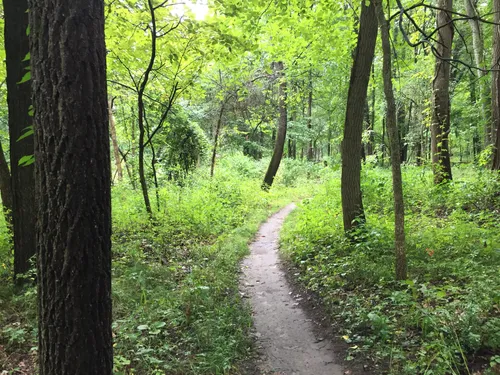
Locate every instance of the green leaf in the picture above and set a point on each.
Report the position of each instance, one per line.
(25, 78)
(142, 327)
(27, 57)
(441, 294)
(26, 160)
(159, 324)
(27, 132)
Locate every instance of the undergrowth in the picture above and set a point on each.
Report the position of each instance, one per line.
(445, 319)
(176, 304)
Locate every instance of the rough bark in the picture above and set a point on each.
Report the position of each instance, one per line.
(495, 91)
(352, 205)
(392, 129)
(114, 140)
(5, 188)
(440, 127)
(19, 102)
(73, 193)
(281, 134)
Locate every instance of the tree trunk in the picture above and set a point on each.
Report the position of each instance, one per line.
(404, 134)
(130, 173)
(372, 122)
(440, 127)
(366, 147)
(352, 205)
(383, 139)
(418, 151)
(19, 102)
(133, 149)
(419, 146)
(141, 109)
(282, 124)
(495, 82)
(114, 140)
(142, 173)
(155, 175)
(73, 187)
(310, 149)
(216, 139)
(5, 188)
(392, 129)
(329, 144)
(478, 46)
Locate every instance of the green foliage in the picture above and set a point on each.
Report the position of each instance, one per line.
(176, 304)
(185, 146)
(446, 313)
(176, 301)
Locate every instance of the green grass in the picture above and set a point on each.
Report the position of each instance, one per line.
(445, 318)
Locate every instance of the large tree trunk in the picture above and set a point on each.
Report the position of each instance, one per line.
(282, 124)
(440, 127)
(495, 85)
(5, 188)
(392, 129)
(352, 204)
(114, 140)
(73, 192)
(478, 46)
(19, 102)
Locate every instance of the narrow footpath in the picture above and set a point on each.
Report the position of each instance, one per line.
(285, 336)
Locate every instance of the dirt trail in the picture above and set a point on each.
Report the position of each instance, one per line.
(285, 335)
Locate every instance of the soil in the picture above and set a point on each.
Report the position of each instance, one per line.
(289, 339)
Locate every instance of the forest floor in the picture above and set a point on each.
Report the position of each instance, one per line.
(184, 304)
(288, 338)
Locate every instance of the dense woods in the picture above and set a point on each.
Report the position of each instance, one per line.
(142, 142)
